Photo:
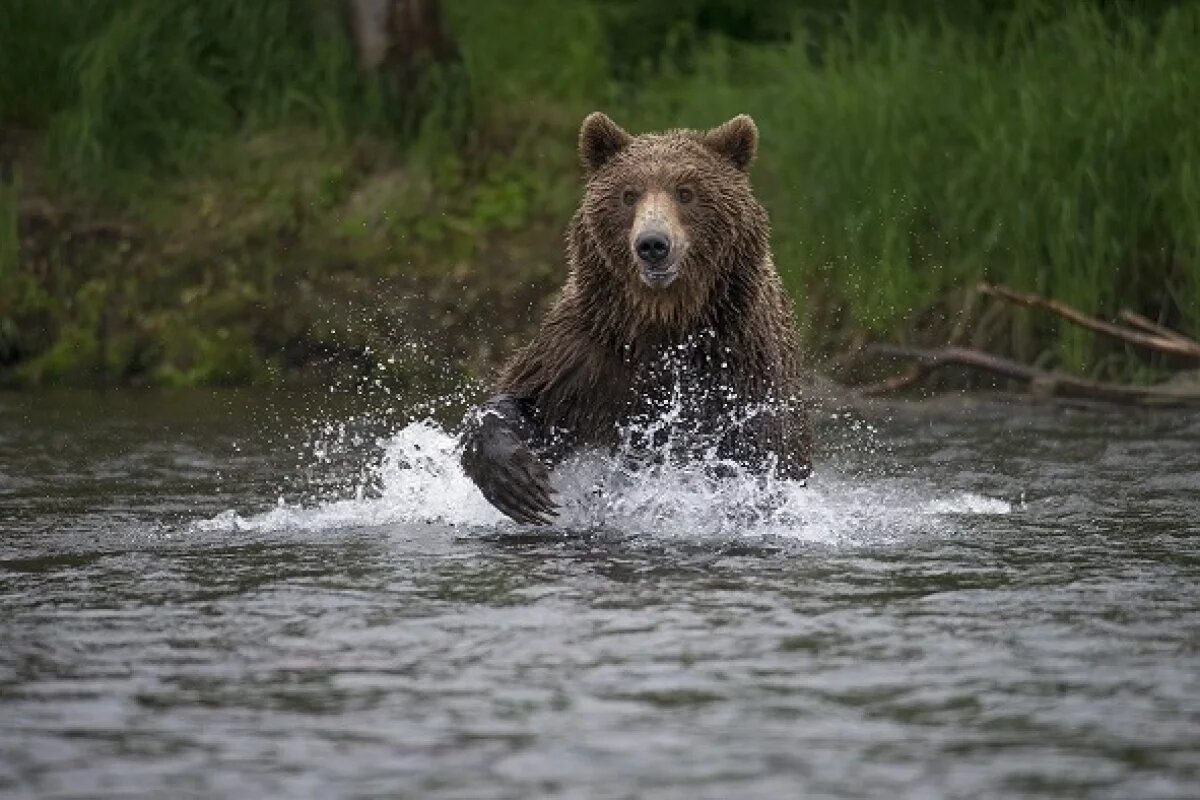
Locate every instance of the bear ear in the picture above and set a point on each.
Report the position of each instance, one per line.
(736, 140)
(599, 140)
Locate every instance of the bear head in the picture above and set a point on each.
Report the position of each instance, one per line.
(669, 218)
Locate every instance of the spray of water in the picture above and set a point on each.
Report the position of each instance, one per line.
(419, 481)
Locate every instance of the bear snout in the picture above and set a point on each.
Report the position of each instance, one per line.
(653, 247)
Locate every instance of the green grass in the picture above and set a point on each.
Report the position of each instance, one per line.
(146, 85)
(1059, 157)
(905, 154)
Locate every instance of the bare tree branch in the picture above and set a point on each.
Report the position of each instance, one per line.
(1162, 344)
(1150, 326)
(1042, 383)
(895, 383)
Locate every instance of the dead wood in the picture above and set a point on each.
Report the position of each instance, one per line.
(1042, 383)
(896, 383)
(1150, 326)
(1162, 344)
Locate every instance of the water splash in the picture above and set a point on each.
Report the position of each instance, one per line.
(418, 480)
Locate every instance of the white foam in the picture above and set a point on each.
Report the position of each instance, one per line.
(968, 503)
(420, 481)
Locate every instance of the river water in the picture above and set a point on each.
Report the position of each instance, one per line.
(263, 595)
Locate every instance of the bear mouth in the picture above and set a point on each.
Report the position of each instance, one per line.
(659, 276)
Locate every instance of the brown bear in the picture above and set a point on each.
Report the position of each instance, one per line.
(672, 337)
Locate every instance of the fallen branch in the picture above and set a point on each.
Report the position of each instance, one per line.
(1150, 326)
(1160, 343)
(1042, 383)
(895, 383)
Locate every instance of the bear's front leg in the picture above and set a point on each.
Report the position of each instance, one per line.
(496, 456)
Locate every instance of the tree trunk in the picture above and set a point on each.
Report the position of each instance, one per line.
(399, 34)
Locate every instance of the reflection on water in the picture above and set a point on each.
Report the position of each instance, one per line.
(976, 600)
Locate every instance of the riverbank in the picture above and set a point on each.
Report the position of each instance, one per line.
(190, 203)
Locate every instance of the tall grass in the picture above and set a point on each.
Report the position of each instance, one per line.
(1060, 153)
(127, 87)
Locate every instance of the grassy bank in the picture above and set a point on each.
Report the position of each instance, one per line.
(213, 192)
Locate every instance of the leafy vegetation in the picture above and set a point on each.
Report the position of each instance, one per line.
(213, 192)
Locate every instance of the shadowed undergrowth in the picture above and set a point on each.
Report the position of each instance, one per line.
(212, 192)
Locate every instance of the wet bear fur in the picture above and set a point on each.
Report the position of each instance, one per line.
(672, 337)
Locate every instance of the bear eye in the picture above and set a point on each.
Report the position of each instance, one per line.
(685, 194)
(629, 197)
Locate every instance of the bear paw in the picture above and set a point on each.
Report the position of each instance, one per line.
(510, 476)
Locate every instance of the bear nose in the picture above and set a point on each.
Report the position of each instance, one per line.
(653, 247)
